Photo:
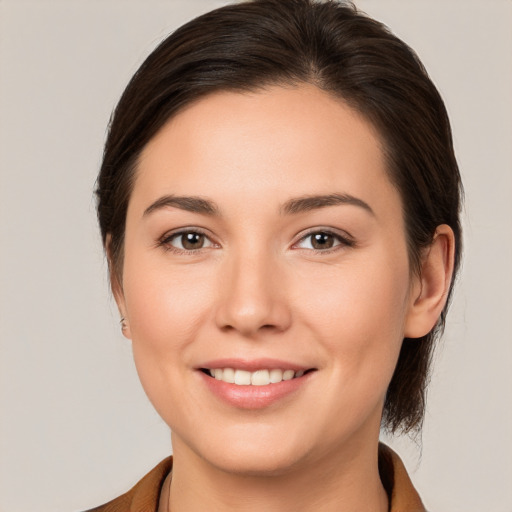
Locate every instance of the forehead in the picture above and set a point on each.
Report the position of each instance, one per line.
(278, 142)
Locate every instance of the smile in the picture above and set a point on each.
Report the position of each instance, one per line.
(262, 377)
(255, 383)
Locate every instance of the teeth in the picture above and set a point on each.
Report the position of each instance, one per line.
(260, 378)
(228, 375)
(276, 376)
(242, 378)
(288, 374)
(257, 378)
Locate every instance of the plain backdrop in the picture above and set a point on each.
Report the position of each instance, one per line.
(75, 427)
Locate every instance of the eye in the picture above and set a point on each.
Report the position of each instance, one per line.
(322, 241)
(187, 241)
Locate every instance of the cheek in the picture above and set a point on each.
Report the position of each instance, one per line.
(166, 309)
(360, 322)
(358, 311)
(164, 304)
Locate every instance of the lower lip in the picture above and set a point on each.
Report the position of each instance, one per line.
(254, 397)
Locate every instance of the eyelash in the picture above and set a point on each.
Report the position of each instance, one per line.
(165, 241)
(344, 240)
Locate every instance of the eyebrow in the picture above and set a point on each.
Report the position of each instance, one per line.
(314, 202)
(187, 203)
(291, 207)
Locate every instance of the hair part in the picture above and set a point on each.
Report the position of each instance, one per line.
(250, 45)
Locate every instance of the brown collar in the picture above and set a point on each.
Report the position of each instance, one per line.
(403, 495)
(144, 497)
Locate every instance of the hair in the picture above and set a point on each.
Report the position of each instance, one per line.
(251, 45)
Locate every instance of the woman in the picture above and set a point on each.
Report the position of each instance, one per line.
(279, 205)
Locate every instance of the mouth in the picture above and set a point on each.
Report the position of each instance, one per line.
(255, 384)
(260, 377)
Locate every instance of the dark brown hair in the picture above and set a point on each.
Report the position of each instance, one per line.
(250, 45)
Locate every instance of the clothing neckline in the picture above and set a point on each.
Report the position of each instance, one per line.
(145, 495)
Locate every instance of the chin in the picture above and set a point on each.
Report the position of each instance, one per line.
(262, 453)
(263, 463)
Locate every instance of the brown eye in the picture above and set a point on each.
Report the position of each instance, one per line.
(189, 241)
(322, 240)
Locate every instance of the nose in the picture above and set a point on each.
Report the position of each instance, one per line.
(252, 296)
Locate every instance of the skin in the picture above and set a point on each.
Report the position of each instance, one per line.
(258, 289)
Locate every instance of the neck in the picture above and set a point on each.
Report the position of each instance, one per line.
(349, 481)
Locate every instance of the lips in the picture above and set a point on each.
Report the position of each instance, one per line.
(254, 384)
(262, 377)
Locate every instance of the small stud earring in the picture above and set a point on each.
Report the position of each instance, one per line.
(123, 323)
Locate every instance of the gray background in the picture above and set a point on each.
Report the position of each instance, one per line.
(75, 426)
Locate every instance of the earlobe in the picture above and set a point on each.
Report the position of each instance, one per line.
(117, 289)
(430, 295)
(125, 328)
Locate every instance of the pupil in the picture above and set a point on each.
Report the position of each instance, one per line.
(322, 241)
(192, 240)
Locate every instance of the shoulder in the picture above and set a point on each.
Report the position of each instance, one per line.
(396, 481)
(144, 496)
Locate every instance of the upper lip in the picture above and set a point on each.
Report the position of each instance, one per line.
(252, 365)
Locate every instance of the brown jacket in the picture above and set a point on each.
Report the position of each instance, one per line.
(145, 495)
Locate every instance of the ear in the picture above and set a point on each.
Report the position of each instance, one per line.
(116, 286)
(430, 292)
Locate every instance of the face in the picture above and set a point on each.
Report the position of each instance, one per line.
(266, 283)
